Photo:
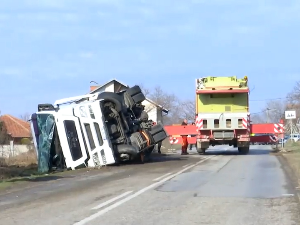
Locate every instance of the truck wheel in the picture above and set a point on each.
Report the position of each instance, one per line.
(243, 150)
(134, 90)
(136, 94)
(112, 97)
(156, 129)
(138, 98)
(201, 151)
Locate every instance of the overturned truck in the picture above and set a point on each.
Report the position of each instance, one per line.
(94, 130)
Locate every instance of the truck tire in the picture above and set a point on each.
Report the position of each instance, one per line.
(156, 129)
(243, 150)
(136, 94)
(112, 97)
(134, 90)
(140, 97)
(159, 137)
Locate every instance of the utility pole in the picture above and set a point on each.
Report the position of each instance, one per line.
(267, 115)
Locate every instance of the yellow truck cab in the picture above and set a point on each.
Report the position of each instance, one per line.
(222, 112)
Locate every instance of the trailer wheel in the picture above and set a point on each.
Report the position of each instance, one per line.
(243, 150)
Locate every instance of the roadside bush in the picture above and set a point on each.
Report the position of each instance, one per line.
(21, 160)
(25, 141)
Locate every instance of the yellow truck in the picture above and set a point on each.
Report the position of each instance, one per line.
(222, 113)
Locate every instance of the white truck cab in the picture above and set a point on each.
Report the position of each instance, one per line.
(94, 130)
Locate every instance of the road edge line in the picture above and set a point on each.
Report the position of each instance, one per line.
(124, 200)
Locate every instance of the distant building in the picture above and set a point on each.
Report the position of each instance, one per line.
(16, 129)
(154, 110)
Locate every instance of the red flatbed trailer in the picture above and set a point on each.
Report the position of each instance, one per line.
(261, 133)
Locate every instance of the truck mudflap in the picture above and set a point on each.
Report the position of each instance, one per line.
(203, 142)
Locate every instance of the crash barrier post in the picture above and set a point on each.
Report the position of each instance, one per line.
(173, 141)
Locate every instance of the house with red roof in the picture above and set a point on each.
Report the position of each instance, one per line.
(16, 129)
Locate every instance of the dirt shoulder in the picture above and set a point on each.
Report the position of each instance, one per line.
(291, 152)
(21, 171)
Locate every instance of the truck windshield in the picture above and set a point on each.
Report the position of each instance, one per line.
(43, 125)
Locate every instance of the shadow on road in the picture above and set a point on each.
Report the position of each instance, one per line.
(165, 158)
(154, 158)
(235, 152)
(37, 179)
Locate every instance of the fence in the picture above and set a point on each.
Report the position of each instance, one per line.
(7, 151)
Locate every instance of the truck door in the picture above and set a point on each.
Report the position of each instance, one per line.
(98, 146)
(93, 142)
(71, 141)
(102, 136)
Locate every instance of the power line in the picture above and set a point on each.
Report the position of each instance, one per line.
(258, 112)
(268, 99)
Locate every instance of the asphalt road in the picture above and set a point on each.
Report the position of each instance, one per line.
(221, 187)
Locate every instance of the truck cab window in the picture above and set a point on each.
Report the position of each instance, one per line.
(90, 135)
(73, 140)
(97, 128)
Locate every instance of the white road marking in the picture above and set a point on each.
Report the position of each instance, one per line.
(156, 179)
(112, 200)
(186, 165)
(122, 201)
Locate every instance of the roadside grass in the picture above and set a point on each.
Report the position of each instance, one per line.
(292, 155)
(22, 165)
(23, 168)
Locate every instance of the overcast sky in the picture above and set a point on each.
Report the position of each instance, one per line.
(52, 49)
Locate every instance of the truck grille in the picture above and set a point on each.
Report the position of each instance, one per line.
(223, 134)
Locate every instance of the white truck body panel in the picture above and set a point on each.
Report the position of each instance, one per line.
(90, 129)
(237, 121)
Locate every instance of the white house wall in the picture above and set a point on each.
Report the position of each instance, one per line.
(152, 110)
(153, 114)
(110, 88)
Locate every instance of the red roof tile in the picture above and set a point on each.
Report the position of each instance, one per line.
(16, 127)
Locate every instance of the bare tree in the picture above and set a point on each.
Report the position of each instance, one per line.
(274, 111)
(4, 137)
(162, 98)
(25, 116)
(293, 99)
(257, 118)
(294, 96)
(178, 110)
(188, 110)
(145, 90)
